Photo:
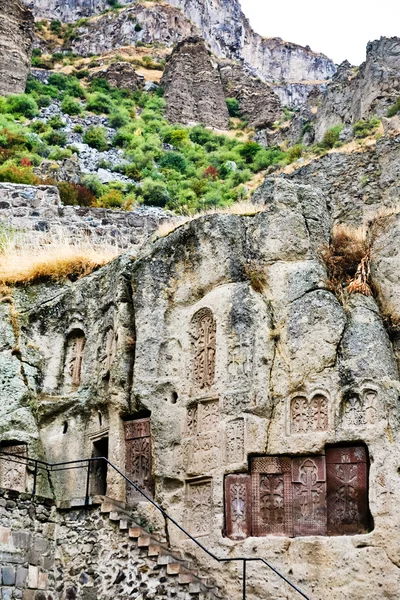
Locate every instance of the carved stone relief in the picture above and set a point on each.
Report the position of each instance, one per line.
(238, 506)
(202, 449)
(234, 441)
(360, 408)
(309, 496)
(109, 349)
(240, 359)
(12, 472)
(139, 457)
(199, 506)
(309, 413)
(204, 331)
(74, 357)
(238, 402)
(301, 496)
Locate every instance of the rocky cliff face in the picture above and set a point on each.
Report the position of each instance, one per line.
(192, 86)
(258, 101)
(357, 94)
(226, 30)
(16, 35)
(149, 23)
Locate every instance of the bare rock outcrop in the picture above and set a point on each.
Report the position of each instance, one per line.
(16, 35)
(257, 99)
(357, 94)
(120, 75)
(192, 86)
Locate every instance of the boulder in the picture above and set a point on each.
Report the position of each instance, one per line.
(120, 75)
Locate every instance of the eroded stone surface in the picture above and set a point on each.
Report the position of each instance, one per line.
(16, 35)
(192, 86)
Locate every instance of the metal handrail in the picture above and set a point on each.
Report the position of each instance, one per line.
(73, 464)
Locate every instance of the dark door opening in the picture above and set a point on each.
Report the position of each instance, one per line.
(98, 483)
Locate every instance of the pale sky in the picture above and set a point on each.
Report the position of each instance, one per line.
(340, 29)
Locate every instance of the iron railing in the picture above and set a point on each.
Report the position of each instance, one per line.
(86, 463)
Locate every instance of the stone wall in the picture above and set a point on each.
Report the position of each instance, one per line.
(16, 36)
(38, 211)
(27, 546)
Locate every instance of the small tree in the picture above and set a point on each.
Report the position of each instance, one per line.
(233, 107)
(95, 137)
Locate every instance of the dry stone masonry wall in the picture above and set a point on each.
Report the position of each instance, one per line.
(37, 212)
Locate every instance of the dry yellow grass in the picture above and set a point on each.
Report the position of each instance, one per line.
(53, 262)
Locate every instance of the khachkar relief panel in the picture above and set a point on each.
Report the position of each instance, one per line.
(234, 441)
(204, 335)
(300, 496)
(139, 457)
(107, 352)
(13, 470)
(360, 408)
(347, 490)
(237, 402)
(199, 506)
(74, 358)
(240, 359)
(309, 413)
(201, 446)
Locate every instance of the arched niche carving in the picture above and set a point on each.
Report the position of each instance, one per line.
(76, 343)
(309, 412)
(204, 330)
(360, 407)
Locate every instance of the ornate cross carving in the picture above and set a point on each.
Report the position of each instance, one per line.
(204, 335)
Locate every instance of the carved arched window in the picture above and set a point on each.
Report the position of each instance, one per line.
(74, 358)
(204, 331)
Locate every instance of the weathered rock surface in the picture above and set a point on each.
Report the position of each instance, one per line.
(221, 23)
(120, 75)
(357, 94)
(358, 183)
(148, 23)
(192, 86)
(257, 100)
(16, 36)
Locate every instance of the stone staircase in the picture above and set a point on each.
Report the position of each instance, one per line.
(178, 574)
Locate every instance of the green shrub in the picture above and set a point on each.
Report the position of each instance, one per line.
(154, 193)
(119, 118)
(44, 101)
(138, 27)
(68, 193)
(233, 107)
(294, 153)
(14, 174)
(56, 26)
(331, 136)
(364, 128)
(39, 126)
(22, 104)
(70, 106)
(249, 151)
(56, 122)
(111, 199)
(99, 103)
(96, 137)
(173, 160)
(122, 139)
(177, 137)
(56, 138)
(395, 109)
